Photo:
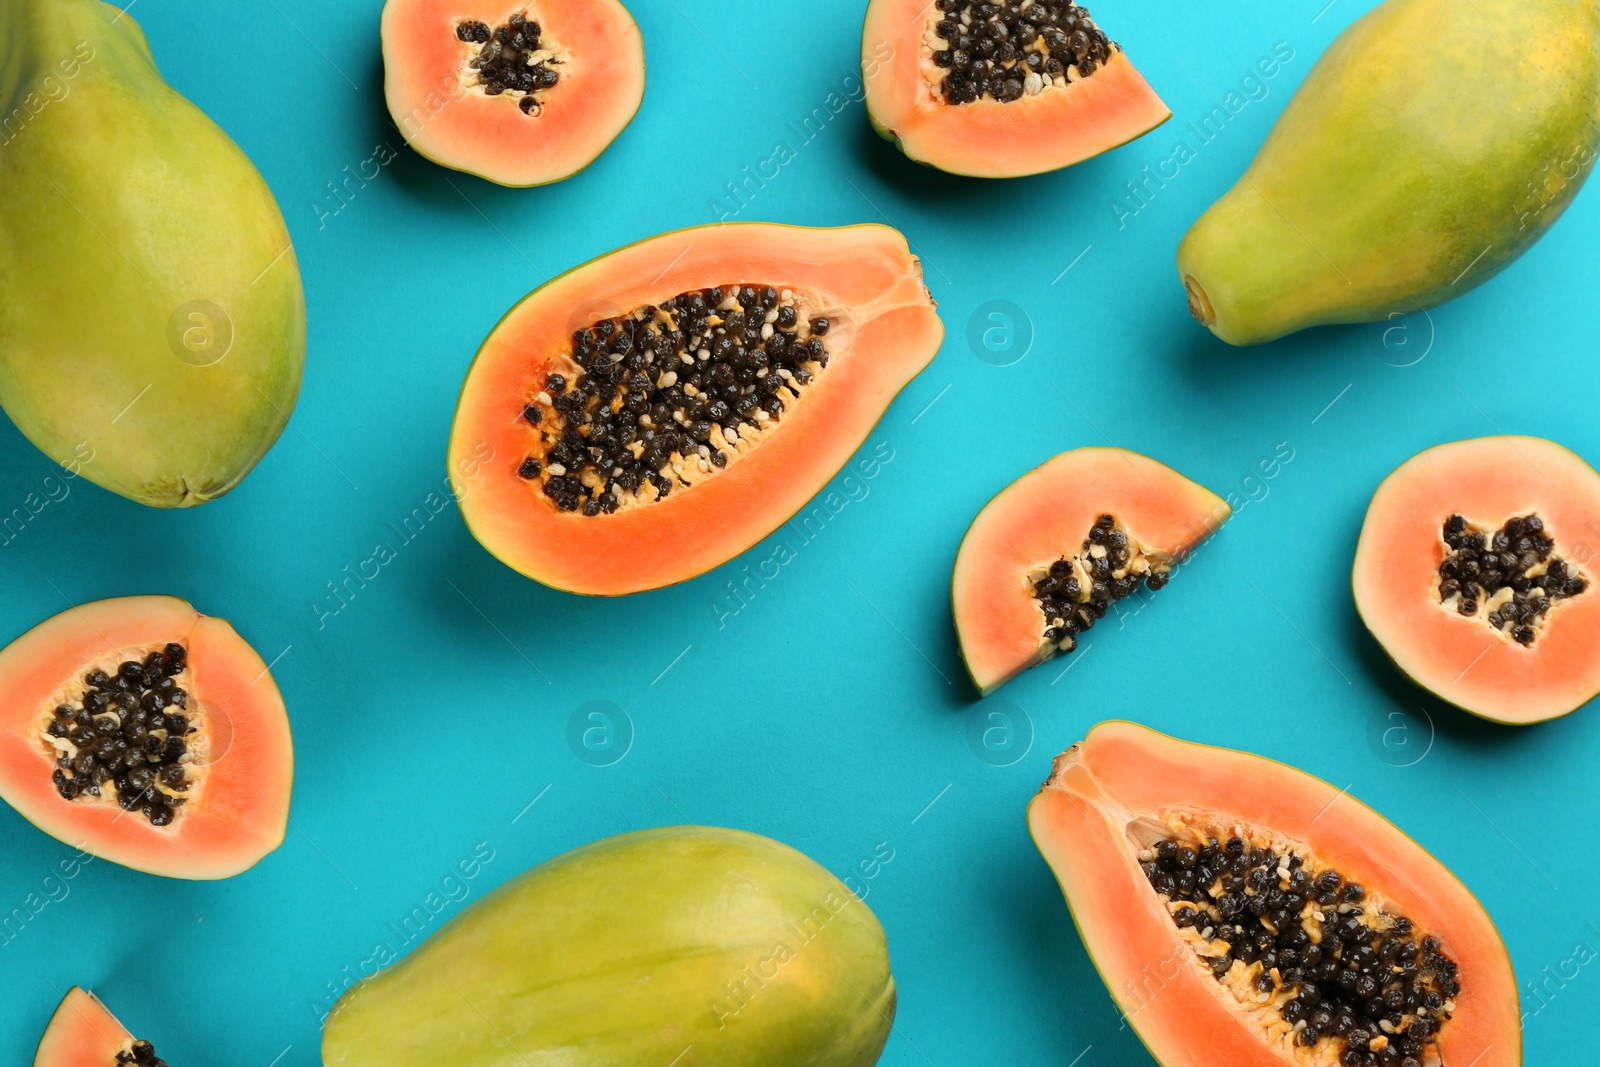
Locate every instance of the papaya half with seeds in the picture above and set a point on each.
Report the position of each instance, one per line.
(1431, 145)
(1246, 914)
(1475, 569)
(519, 95)
(655, 412)
(1000, 91)
(84, 1033)
(145, 733)
(1062, 545)
(152, 324)
(685, 944)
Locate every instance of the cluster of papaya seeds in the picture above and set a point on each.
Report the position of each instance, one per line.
(156, 347)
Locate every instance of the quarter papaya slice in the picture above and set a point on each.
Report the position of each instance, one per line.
(1000, 90)
(1061, 546)
(1246, 914)
(142, 732)
(655, 412)
(519, 94)
(84, 1033)
(1473, 572)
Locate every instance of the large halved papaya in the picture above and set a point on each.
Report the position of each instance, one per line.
(1062, 545)
(1473, 573)
(83, 1033)
(1000, 90)
(144, 733)
(519, 93)
(1246, 914)
(655, 412)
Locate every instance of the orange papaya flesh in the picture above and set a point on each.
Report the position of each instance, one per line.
(1474, 571)
(83, 1033)
(1057, 548)
(145, 733)
(1055, 91)
(518, 95)
(1175, 962)
(655, 412)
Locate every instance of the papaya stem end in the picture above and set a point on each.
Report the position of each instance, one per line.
(1199, 303)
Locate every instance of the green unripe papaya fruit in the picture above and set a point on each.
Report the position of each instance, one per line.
(152, 324)
(1431, 145)
(685, 945)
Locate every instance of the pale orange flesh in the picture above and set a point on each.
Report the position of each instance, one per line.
(1123, 772)
(1486, 480)
(884, 330)
(1045, 514)
(987, 138)
(82, 1033)
(443, 116)
(240, 809)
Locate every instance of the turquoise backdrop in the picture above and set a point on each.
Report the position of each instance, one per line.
(448, 710)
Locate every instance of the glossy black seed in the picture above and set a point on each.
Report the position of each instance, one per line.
(530, 468)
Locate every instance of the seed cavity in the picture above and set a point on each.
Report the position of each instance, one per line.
(1301, 942)
(663, 394)
(1006, 51)
(1510, 577)
(127, 735)
(1075, 592)
(142, 1054)
(512, 59)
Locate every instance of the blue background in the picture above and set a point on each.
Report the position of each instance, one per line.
(831, 711)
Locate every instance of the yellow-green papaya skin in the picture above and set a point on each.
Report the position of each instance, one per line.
(152, 322)
(1431, 145)
(684, 945)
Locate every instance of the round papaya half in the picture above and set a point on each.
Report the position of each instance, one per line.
(1064, 544)
(1473, 572)
(1000, 90)
(518, 93)
(145, 733)
(655, 412)
(1246, 914)
(83, 1033)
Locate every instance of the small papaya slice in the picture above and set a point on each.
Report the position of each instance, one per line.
(651, 414)
(1000, 90)
(84, 1033)
(1246, 914)
(519, 94)
(1062, 545)
(1474, 572)
(145, 733)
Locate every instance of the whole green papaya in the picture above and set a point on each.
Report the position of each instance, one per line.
(152, 324)
(686, 945)
(1432, 144)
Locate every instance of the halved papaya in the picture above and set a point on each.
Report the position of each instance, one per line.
(1246, 914)
(520, 93)
(145, 733)
(1000, 90)
(1473, 573)
(84, 1033)
(655, 412)
(1062, 545)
